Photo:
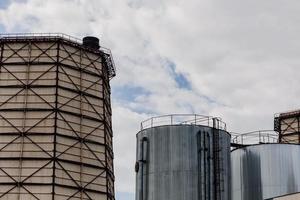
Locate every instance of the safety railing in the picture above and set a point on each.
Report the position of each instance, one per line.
(255, 137)
(184, 119)
(51, 35)
(108, 55)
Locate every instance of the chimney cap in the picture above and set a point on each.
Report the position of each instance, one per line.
(91, 42)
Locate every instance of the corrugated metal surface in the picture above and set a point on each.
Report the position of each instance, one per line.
(176, 163)
(265, 171)
(55, 121)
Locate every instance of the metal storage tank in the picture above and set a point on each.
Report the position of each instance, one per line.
(55, 118)
(183, 157)
(266, 172)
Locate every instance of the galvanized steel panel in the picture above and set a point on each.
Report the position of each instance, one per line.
(171, 170)
(265, 171)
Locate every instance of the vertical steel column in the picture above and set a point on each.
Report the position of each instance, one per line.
(80, 129)
(104, 121)
(1, 55)
(107, 129)
(298, 129)
(24, 118)
(54, 159)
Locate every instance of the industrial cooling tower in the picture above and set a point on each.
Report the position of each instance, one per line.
(55, 118)
(183, 157)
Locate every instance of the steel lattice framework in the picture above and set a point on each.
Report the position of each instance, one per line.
(55, 119)
(288, 126)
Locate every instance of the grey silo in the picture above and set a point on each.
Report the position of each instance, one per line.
(265, 172)
(176, 159)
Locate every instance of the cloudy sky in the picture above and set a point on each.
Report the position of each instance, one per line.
(239, 60)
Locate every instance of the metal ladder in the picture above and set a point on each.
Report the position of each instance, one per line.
(204, 165)
(218, 164)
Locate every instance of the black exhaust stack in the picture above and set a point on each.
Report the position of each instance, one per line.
(91, 42)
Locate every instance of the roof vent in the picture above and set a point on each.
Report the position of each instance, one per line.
(91, 42)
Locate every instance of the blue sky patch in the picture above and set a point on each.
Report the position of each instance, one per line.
(4, 4)
(181, 80)
(129, 93)
(2, 29)
(124, 196)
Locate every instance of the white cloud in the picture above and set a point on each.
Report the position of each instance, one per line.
(240, 57)
(126, 125)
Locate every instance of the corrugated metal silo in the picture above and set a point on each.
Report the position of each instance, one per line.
(55, 118)
(183, 157)
(266, 172)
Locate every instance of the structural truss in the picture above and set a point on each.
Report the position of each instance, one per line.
(288, 126)
(55, 120)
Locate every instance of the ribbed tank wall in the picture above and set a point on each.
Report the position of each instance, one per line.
(176, 163)
(266, 171)
(55, 121)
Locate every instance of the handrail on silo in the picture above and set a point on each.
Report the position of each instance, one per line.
(69, 38)
(182, 119)
(60, 35)
(255, 137)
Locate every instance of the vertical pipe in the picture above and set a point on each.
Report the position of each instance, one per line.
(142, 162)
(298, 124)
(208, 165)
(199, 156)
(216, 167)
